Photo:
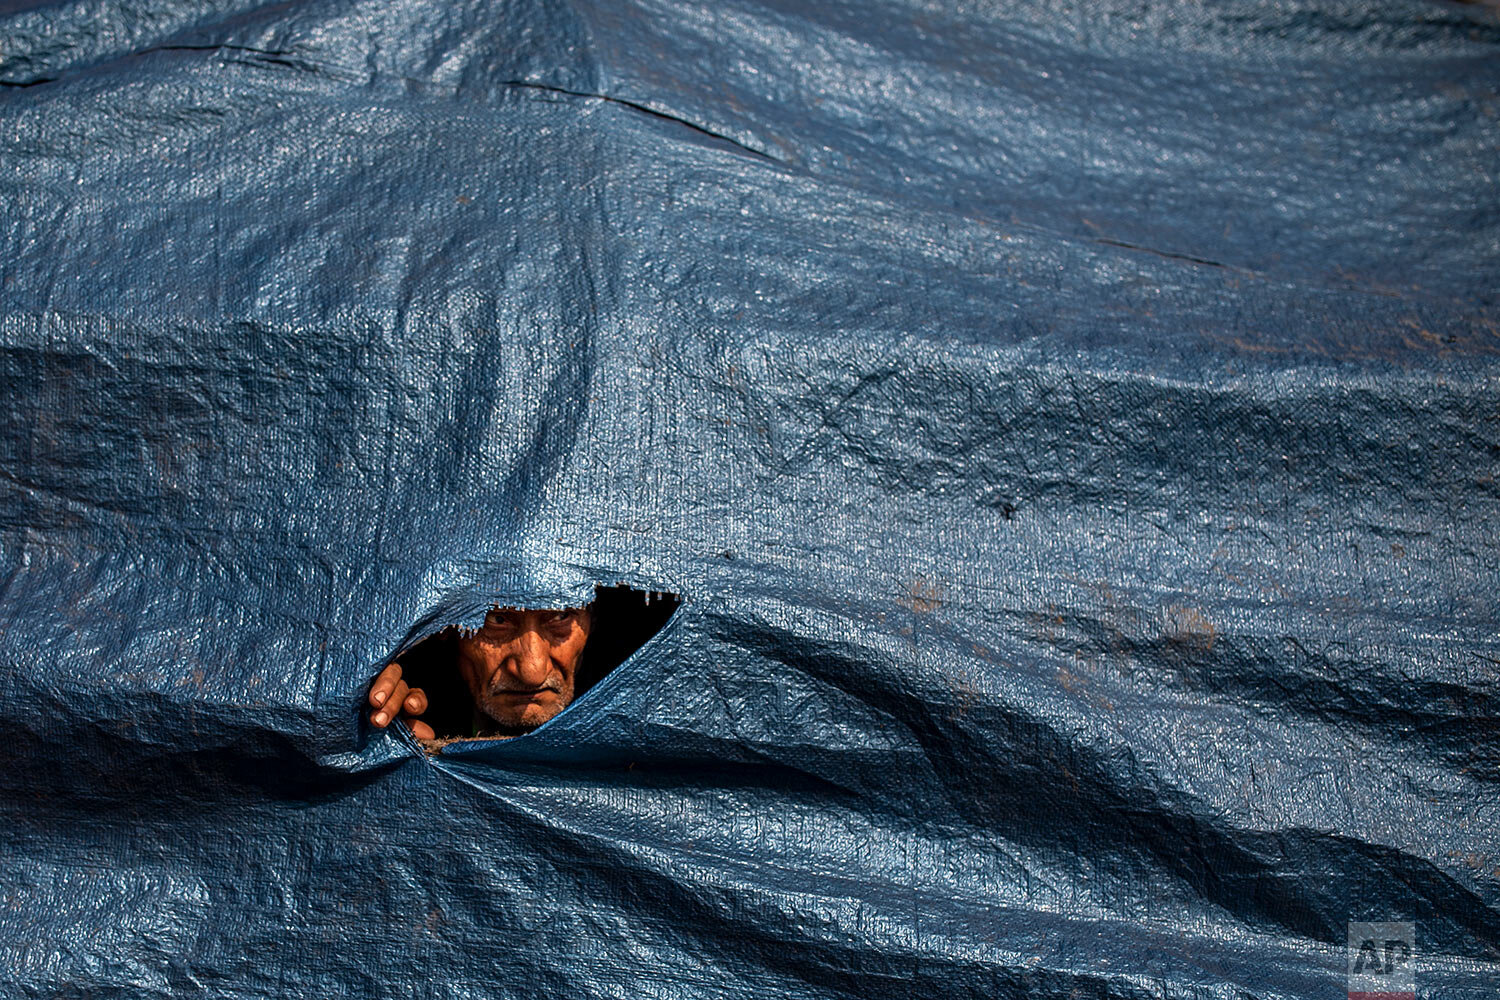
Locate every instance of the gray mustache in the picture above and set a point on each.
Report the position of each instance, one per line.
(552, 683)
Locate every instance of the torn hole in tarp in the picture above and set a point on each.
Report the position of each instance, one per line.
(623, 619)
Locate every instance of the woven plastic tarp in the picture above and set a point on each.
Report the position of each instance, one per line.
(1073, 430)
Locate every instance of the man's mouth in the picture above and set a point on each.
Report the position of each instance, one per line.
(515, 692)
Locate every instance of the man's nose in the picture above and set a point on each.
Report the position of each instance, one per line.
(532, 661)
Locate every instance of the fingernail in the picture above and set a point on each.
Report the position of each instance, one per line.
(380, 719)
(380, 697)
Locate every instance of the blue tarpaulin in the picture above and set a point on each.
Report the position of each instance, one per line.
(1073, 430)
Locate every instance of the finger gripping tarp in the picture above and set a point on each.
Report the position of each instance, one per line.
(1073, 428)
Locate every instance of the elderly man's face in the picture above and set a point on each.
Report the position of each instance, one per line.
(521, 666)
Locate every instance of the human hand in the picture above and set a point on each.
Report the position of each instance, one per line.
(389, 695)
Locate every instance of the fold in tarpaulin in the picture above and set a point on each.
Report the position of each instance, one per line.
(1073, 429)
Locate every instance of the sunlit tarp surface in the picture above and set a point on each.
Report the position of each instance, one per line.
(1074, 429)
